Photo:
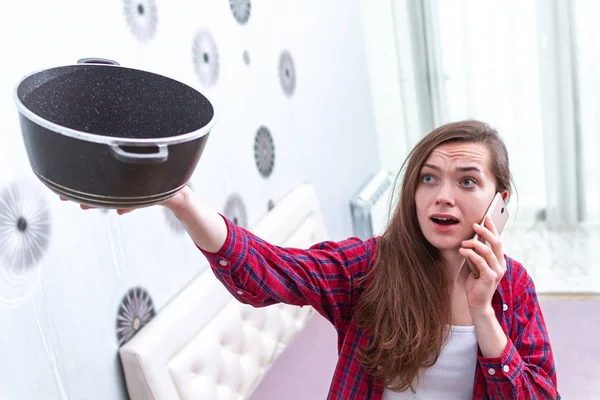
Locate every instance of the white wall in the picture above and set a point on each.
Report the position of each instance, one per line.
(59, 314)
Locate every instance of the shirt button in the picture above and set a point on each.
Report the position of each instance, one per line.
(240, 292)
(505, 368)
(505, 307)
(223, 263)
(491, 371)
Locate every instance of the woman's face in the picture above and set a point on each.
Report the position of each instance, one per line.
(455, 188)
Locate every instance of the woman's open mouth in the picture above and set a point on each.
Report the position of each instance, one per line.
(444, 222)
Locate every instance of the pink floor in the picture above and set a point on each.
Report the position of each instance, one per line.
(304, 370)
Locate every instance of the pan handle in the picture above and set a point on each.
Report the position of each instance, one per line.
(140, 154)
(95, 60)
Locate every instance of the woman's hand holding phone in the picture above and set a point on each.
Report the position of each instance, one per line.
(489, 262)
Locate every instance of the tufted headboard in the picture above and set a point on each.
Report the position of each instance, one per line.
(204, 344)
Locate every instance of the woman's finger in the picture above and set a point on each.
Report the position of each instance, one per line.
(123, 211)
(485, 272)
(489, 233)
(487, 253)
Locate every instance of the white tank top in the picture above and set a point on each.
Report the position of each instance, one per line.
(453, 374)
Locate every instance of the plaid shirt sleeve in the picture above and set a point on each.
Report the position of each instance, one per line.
(258, 273)
(525, 370)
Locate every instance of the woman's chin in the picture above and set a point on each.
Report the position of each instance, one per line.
(445, 243)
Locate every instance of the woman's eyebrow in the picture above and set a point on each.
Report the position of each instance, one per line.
(461, 169)
(468, 169)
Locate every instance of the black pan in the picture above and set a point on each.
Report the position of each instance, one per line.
(109, 136)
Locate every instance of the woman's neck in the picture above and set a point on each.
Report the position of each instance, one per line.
(456, 267)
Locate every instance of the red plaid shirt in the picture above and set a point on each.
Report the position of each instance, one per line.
(323, 276)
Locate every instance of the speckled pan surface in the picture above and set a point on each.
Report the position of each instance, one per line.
(103, 103)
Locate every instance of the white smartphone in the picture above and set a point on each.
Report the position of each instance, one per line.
(498, 212)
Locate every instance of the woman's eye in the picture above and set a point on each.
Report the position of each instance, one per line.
(427, 179)
(469, 182)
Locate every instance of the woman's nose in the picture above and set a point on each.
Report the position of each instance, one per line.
(445, 196)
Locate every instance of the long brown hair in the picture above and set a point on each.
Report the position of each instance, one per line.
(405, 304)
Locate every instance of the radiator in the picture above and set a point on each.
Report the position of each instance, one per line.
(370, 206)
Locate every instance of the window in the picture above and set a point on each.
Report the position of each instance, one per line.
(529, 68)
(587, 50)
(489, 70)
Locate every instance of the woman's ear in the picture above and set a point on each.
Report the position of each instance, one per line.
(504, 195)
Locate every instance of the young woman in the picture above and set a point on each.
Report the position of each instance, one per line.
(413, 320)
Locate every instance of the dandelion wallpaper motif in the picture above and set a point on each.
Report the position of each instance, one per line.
(241, 10)
(206, 58)
(264, 151)
(287, 73)
(136, 310)
(142, 18)
(24, 236)
(235, 210)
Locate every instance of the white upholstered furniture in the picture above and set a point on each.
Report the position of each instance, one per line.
(204, 344)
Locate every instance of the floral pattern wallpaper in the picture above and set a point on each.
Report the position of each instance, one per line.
(292, 105)
(135, 311)
(25, 231)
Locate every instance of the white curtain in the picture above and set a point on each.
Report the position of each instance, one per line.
(529, 68)
(587, 33)
(490, 71)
